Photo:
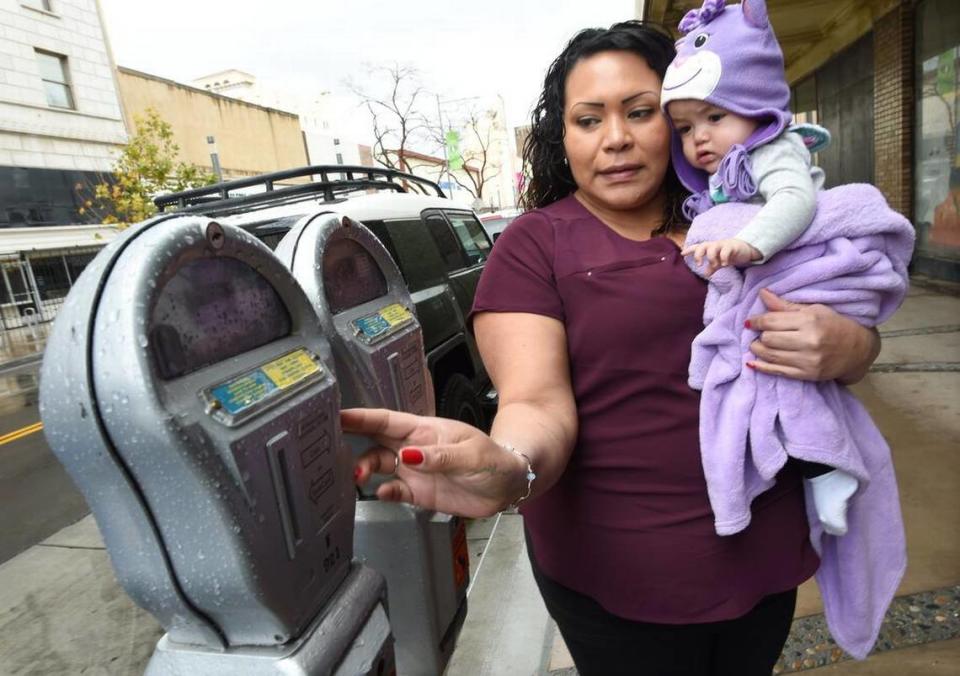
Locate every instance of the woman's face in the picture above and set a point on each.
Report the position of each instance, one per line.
(616, 138)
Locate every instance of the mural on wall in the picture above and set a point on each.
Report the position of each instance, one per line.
(938, 175)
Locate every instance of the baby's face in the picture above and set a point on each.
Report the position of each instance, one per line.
(707, 131)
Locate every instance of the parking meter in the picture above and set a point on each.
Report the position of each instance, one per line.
(366, 311)
(189, 391)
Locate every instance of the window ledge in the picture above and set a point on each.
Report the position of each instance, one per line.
(40, 11)
(55, 109)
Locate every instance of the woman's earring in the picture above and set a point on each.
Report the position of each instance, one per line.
(565, 162)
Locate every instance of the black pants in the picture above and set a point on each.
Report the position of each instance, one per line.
(810, 469)
(603, 644)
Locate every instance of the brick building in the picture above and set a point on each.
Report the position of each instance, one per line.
(882, 76)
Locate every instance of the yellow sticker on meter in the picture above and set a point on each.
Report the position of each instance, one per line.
(291, 368)
(396, 314)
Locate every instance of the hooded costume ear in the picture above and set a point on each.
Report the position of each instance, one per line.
(755, 12)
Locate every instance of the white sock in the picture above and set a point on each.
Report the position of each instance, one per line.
(831, 492)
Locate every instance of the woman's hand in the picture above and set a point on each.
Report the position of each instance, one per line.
(441, 464)
(810, 342)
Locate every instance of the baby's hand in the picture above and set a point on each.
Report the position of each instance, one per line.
(721, 253)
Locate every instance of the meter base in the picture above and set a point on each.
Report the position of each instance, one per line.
(351, 635)
(423, 556)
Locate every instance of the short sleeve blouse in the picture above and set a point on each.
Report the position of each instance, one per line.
(629, 522)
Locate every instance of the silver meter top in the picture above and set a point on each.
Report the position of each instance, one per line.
(190, 393)
(365, 309)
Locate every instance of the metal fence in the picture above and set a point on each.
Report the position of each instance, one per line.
(33, 287)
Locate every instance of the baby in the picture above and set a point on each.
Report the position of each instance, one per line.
(728, 101)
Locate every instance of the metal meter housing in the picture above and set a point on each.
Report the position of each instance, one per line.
(364, 307)
(188, 389)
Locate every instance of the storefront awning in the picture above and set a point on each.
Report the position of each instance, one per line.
(810, 31)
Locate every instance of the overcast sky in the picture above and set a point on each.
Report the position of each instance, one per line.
(462, 47)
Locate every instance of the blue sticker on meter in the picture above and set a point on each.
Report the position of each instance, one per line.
(382, 322)
(243, 392)
(372, 326)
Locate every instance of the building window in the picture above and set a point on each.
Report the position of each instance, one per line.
(339, 158)
(37, 4)
(56, 80)
(31, 196)
(937, 151)
(336, 141)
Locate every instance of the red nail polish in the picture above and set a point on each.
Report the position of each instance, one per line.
(746, 325)
(356, 473)
(411, 456)
(751, 365)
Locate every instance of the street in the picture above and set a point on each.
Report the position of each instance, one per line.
(37, 497)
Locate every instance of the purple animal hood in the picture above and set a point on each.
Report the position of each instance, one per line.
(729, 56)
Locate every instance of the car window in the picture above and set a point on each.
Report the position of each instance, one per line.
(414, 251)
(471, 235)
(271, 239)
(379, 229)
(450, 248)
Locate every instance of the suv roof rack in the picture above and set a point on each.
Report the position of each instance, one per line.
(335, 181)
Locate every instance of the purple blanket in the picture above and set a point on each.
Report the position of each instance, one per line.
(854, 259)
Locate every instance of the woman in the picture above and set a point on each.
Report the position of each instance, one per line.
(584, 317)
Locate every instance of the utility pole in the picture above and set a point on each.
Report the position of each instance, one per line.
(443, 138)
(215, 158)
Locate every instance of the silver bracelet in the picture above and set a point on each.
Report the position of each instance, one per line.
(531, 475)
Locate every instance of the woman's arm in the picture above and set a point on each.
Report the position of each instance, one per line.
(451, 467)
(811, 342)
(526, 357)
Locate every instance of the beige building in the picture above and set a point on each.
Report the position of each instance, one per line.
(332, 129)
(250, 139)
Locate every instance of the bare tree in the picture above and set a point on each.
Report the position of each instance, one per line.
(478, 139)
(398, 122)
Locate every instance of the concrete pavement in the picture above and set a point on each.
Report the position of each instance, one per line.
(61, 612)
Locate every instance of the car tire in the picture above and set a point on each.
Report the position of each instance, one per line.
(458, 401)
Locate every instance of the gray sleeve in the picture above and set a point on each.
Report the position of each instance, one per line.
(782, 171)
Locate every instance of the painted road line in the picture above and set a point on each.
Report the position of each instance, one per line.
(21, 433)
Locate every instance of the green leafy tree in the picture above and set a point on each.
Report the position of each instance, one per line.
(147, 166)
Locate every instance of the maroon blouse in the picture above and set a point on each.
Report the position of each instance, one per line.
(629, 522)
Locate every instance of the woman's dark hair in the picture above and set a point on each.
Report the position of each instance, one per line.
(543, 152)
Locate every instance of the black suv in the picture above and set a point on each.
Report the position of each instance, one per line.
(439, 246)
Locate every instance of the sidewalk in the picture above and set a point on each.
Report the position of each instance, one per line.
(61, 612)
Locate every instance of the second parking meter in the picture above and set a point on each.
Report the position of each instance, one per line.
(365, 308)
(189, 391)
